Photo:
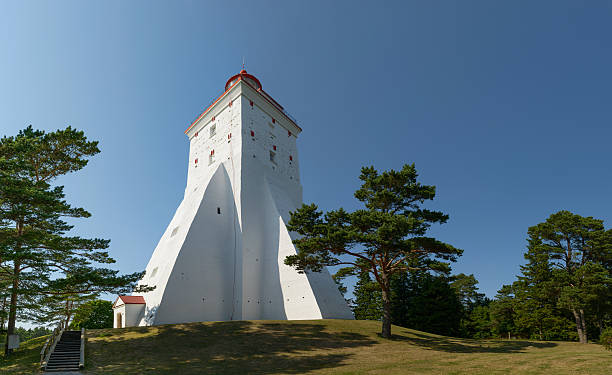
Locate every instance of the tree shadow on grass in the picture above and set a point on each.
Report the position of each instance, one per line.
(458, 345)
(224, 348)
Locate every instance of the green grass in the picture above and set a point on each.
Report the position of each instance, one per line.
(25, 360)
(313, 347)
(326, 347)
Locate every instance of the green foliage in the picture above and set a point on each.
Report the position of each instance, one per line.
(419, 300)
(605, 338)
(384, 238)
(573, 251)
(93, 315)
(564, 290)
(31, 333)
(466, 289)
(475, 316)
(425, 302)
(368, 300)
(42, 266)
(476, 322)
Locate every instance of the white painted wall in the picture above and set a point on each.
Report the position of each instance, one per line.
(131, 314)
(212, 266)
(119, 310)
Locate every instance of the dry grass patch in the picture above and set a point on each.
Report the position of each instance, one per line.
(326, 347)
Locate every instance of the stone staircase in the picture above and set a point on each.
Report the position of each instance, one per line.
(66, 355)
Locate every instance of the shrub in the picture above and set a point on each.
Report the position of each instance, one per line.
(605, 338)
(94, 314)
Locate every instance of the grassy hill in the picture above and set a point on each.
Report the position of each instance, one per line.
(321, 347)
(25, 360)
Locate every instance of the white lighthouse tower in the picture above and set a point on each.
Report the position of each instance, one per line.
(222, 255)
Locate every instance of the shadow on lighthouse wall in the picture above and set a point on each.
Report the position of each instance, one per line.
(262, 293)
(202, 284)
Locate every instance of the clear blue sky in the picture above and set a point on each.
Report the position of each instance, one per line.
(504, 106)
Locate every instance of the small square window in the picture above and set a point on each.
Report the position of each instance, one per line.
(273, 157)
(213, 130)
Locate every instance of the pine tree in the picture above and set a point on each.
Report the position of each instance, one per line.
(578, 250)
(502, 313)
(368, 302)
(36, 254)
(383, 239)
(426, 302)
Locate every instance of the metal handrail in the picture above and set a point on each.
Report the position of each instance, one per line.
(82, 357)
(47, 349)
(43, 351)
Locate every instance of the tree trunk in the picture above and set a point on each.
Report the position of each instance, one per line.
(386, 301)
(580, 325)
(2, 320)
(584, 328)
(69, 305)
(13, 307)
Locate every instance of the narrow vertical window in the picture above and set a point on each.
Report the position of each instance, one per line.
(213, 130)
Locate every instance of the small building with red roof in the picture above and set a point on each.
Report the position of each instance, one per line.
(128, 311)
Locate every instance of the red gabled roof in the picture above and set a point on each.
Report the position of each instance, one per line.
(130, 300)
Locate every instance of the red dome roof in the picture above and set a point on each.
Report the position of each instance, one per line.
(243, 75)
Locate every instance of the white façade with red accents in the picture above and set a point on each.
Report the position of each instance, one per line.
(222, 255)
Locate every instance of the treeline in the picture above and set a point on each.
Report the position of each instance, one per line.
(28, 334)
(564, 291)
(441, 304)
(93, 314)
